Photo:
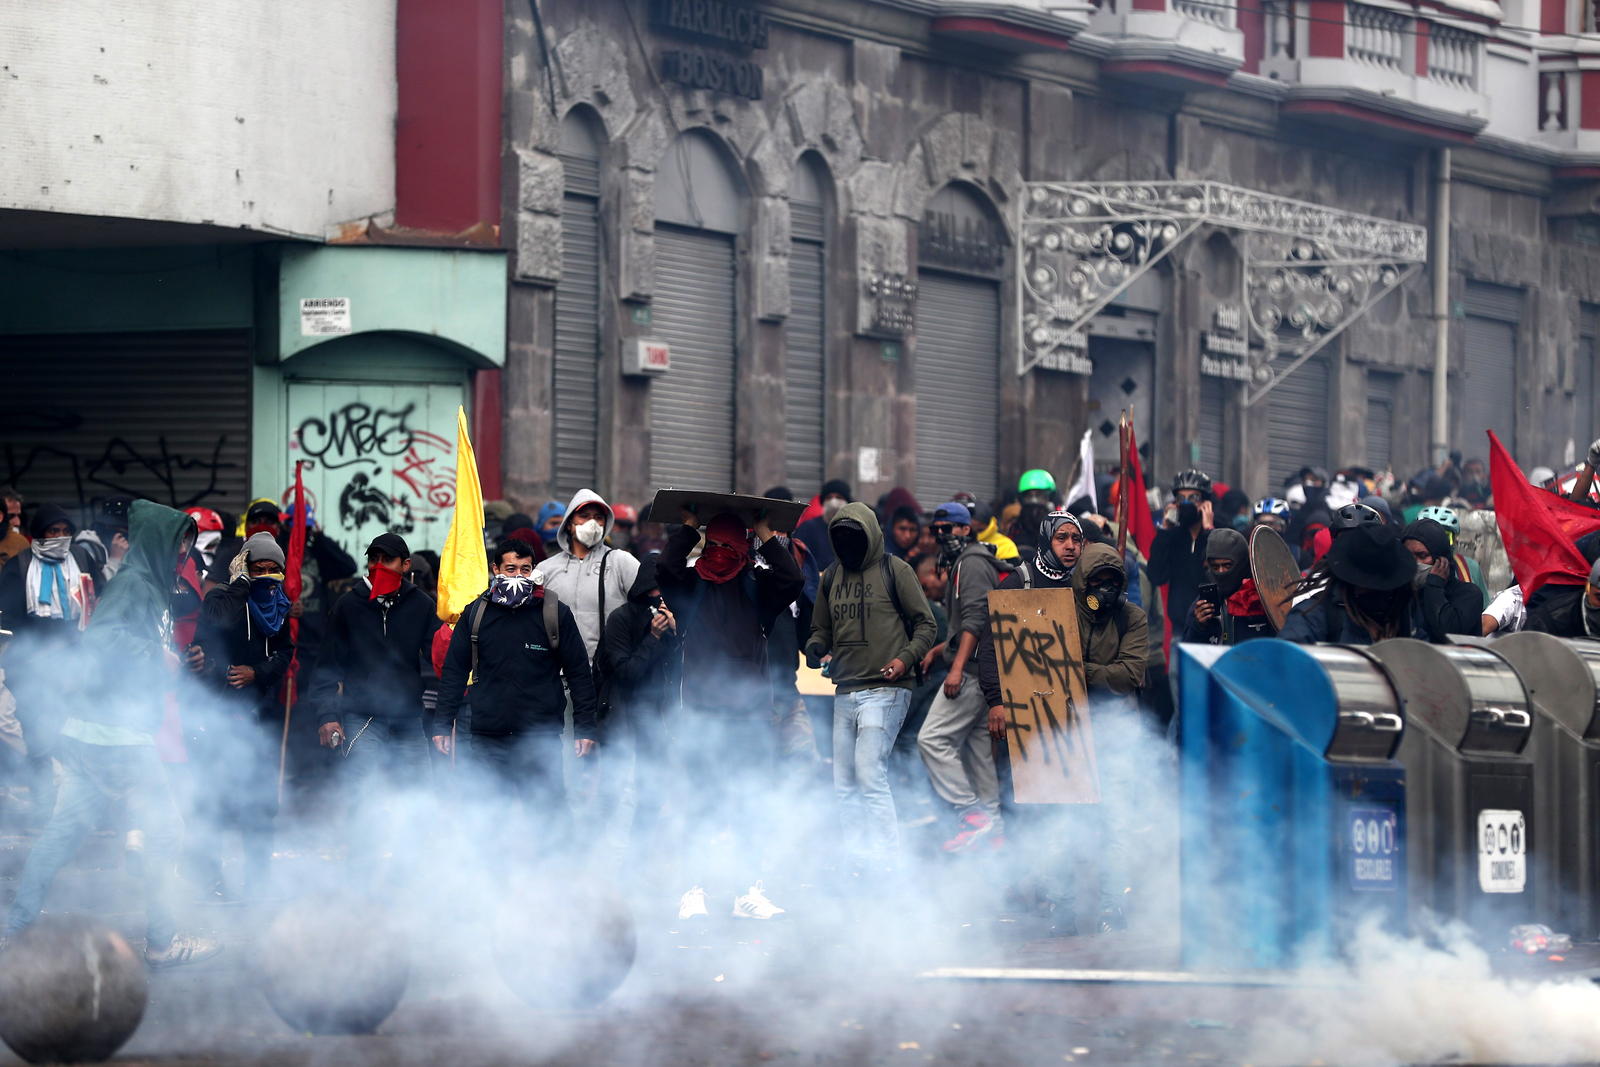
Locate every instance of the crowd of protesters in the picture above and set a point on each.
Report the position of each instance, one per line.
(628, 690)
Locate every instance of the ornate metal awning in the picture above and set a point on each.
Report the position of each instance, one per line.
(1309, 271)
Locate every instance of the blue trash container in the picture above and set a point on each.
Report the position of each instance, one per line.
(1292, 817)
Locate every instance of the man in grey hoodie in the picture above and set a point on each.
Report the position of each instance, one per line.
(593, 579)
(872, 625)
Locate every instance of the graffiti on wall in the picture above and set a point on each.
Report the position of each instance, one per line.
(76, 470)
(384, 472)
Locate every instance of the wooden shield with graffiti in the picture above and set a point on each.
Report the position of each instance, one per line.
(1276, 573)
(1047, 710)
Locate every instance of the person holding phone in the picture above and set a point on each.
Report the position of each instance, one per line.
(1226, 608)
(1178, 554)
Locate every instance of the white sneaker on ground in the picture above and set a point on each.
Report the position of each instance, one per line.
(755, 905)
(693, 905)
(185, 948)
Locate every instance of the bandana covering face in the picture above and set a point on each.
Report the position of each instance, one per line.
(384, 581)
(721, 563)
(268, 603)
(511, 590)
(53, 581)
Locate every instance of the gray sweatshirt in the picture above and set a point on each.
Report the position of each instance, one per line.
(577, 581)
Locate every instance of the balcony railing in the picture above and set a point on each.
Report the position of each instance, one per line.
(1216, 12)
(1377, 37)
(1453, 57)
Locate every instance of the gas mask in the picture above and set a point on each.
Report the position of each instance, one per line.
(590, 532)
(1101, 593)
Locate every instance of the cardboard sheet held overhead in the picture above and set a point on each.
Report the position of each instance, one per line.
(781, 514)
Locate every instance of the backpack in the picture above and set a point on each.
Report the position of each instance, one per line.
(552, 624)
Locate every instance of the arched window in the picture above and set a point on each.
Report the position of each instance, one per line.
(700, 207)
(806, 330)
(576, 386)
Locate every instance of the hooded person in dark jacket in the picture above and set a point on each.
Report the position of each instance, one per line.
(243, 635)
(726, 604)
(873, 625)
(637, 666)
(119, 680)
(1236, 614)
(1445, 603)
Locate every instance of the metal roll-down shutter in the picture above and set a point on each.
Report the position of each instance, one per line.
(805, 336)
(576, 396)
(957, 378)
(1297, 422)
(692, 405)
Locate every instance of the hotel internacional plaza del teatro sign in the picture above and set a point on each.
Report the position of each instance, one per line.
(1308, 271)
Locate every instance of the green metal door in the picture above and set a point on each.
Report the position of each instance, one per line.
(378, 456)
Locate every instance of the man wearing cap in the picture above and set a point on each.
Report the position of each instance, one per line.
(954, 739)
(369, 685)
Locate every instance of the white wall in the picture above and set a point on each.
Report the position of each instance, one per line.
(275, 115)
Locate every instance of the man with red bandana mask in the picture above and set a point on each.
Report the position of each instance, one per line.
(725, 735)
(369, 684)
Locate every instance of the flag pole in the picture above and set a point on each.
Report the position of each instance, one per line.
(297, 546)
(1125, 476)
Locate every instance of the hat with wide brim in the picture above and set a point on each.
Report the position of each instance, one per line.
(1371, 557)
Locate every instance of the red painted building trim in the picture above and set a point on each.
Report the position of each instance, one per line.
(1553, 16)
(1149, 5)
(1252, 22)
(1351, 115)
(1422, 26)
(448, 57)
(1153, 69)
(486, 433)
(1589, 100)
(1003, 34)
(1582, 174)
(1325, 33)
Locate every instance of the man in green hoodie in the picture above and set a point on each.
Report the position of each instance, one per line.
(114, 696)
(871, 625)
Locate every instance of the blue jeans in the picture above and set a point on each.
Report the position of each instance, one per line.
(865, 725)
(97, 775)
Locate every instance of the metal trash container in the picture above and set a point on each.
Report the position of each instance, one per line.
(1293, 809)
(1469, 787)
(1563, 683)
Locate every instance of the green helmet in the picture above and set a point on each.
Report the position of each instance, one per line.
(1036, 480)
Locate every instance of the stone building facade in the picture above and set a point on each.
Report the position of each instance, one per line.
(809, 210)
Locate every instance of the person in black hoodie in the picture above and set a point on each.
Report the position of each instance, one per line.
(1445, 604)
(502, 641)
(726, 603)
(1178, 554)
(369, 682)
(637, 665)
(243, 634)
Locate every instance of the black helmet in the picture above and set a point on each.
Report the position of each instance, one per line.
(1192, 479)
(1353, 515)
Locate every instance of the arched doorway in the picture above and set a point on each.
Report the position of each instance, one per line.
(961, 253)
(700, 207)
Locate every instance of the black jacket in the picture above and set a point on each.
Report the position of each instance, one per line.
(377, 652)
(1449, 606)
(231, 638)
(518, 685)
(1178, 562)
(724, 625)
(637, 669)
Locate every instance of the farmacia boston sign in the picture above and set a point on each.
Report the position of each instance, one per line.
(719, 22)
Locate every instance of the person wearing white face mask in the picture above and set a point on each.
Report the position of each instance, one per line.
(593, 579)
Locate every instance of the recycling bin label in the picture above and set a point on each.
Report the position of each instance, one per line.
(1502, 851)
(1374, 848)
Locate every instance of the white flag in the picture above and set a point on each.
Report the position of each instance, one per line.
(1084, 486)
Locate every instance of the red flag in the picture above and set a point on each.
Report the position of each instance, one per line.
(1141, 525)
(1538, 527)
(291, 577)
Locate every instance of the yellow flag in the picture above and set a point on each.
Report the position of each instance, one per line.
(463, 565)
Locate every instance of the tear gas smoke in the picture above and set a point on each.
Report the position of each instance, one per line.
(564, 944)
(72, 990)
(334, 966)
